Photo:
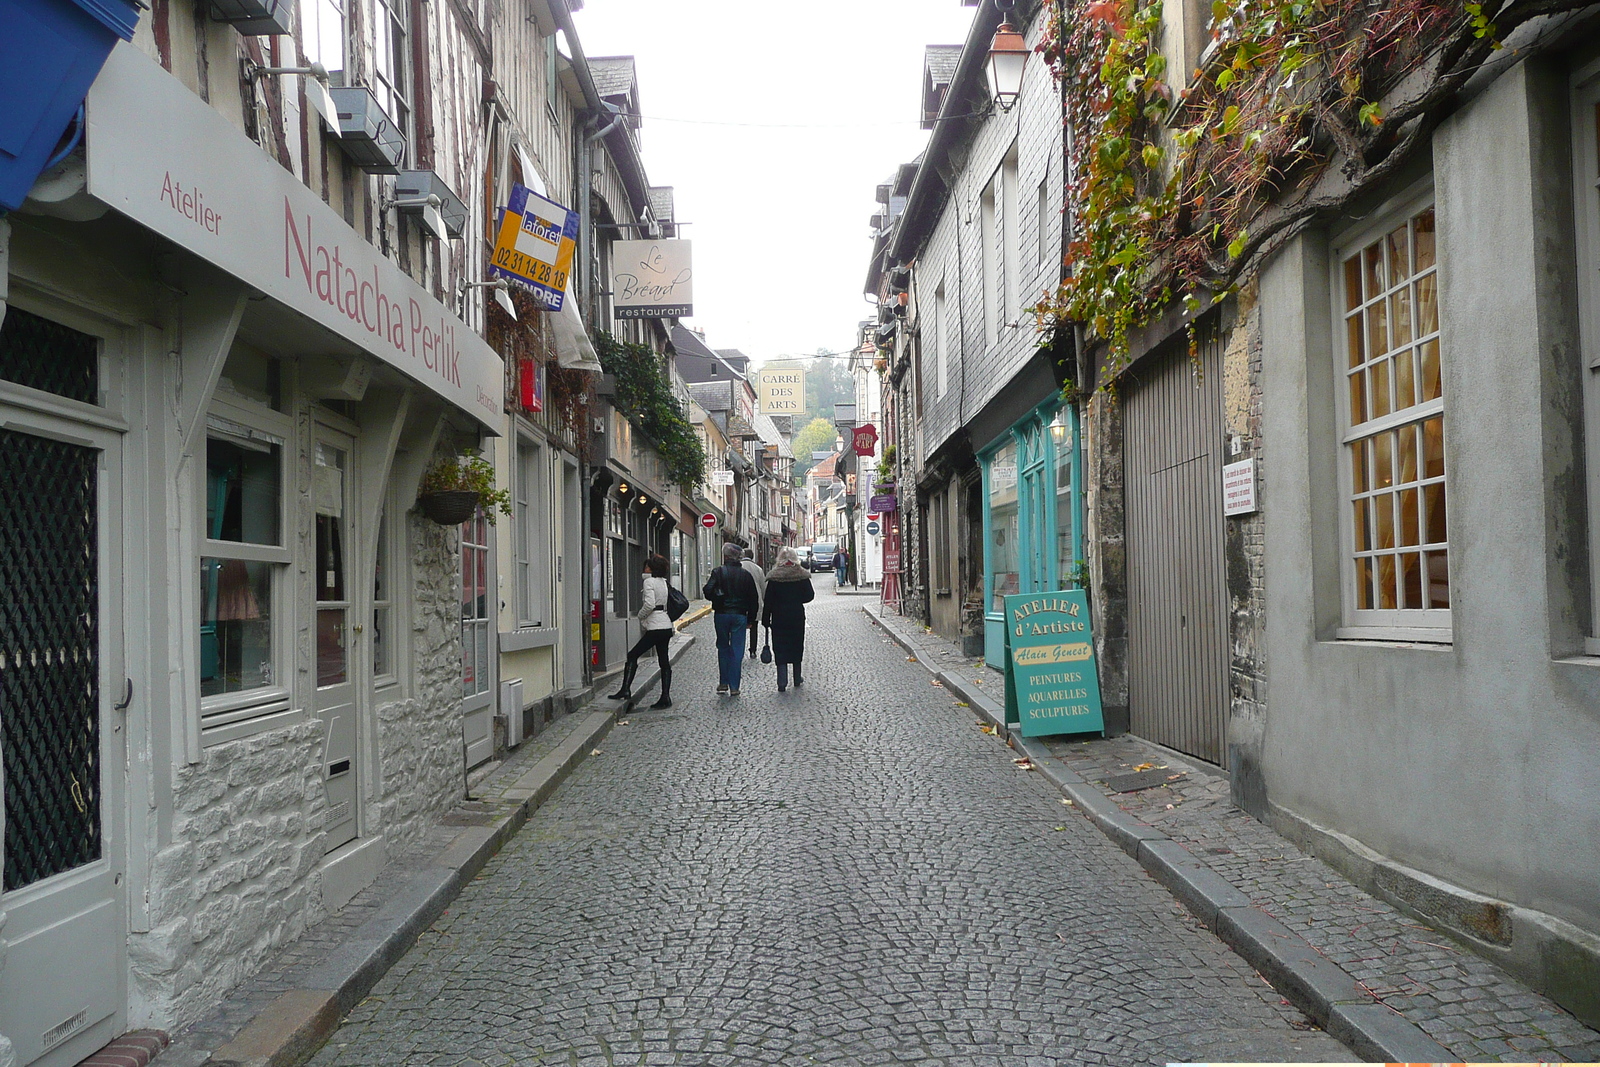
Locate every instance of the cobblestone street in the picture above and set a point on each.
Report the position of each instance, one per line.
(847, 873)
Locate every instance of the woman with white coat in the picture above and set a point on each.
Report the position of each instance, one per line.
(658, 631)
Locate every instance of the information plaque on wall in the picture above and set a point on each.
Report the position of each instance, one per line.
(1052, 680)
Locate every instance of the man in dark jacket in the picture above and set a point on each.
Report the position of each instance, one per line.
(734, 601)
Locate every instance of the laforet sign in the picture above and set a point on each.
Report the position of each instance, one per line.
(1052, 682)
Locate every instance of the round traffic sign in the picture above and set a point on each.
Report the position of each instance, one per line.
(709, 521)
(872, 529)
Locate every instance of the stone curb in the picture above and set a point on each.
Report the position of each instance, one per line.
(291, 1029)
(1315, 984)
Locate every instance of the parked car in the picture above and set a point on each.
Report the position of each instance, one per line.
(822, 556)
(804, 552)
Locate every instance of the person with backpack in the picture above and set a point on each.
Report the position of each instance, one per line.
(656, 619)
(734, 602)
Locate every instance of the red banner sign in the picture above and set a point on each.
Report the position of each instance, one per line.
(865, 439)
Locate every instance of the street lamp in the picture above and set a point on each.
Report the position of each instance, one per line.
(1008, 54)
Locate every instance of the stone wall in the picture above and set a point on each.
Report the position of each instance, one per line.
(1245, 555)
(1105, 550)
(240, 877)
(420, 759)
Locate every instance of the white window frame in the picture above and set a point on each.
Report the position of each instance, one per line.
(230, 716)
(1010, 203)
(1431, 625)
(535, 598)
(1586, 216)
(324, 26)
(990, 260)
(396, 90)
(941, 339)
(481, 625)
(385, 556)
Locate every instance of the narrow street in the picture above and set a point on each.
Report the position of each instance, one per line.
(848, 873)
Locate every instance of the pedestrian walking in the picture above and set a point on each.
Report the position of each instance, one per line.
(754, 570)
(734, 601)
(783, 612)
(841, 564)
(658, 631)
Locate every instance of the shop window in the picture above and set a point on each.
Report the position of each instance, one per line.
(1005, 527)
(1396, 559)
(1066, 511)
(475, 602)
(242, 565)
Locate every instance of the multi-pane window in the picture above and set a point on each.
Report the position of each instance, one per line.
(391, 61)
(475, 606)
(1397, 537)
(533, 530)
(242, 562)
(383, 632)
(1010, 239)
(322, 36)
(989, 257)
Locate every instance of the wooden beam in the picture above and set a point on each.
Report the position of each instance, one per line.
(209, 314)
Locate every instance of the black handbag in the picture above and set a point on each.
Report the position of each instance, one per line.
(766, 647)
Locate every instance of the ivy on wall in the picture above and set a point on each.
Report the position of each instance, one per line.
(1300, 107)
(644, 395)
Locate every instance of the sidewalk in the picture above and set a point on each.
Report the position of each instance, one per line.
(284, 1013)
(1389, 988)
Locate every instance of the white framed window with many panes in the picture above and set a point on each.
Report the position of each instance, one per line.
(1395, 535)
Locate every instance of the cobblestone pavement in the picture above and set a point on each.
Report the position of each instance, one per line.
(847, 873)
(1460, 999)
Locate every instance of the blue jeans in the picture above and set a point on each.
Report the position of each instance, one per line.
(841, 573)
(730, 648)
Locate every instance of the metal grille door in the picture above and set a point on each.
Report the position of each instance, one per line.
(49, 669)
(1177, 597)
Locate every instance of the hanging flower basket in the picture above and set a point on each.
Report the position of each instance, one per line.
(451, 507)
(454, 488)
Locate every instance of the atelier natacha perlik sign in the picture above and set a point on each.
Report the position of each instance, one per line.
(1052, 684)
(536, 244)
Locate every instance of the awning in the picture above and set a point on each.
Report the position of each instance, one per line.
(574, 350)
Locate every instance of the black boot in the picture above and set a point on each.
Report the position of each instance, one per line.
(626, 692)
(665, 700)
(798, 681)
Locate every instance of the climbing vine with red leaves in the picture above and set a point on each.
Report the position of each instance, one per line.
(1299, 107)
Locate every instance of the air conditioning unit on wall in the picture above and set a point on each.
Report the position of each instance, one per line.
(511, 709)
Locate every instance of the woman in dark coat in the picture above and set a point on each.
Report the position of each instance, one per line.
(783, 609)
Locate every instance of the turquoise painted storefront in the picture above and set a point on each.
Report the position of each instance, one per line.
(1032, 514)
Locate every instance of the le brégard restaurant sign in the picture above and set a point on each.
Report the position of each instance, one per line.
(536, 244)
(1052, 682)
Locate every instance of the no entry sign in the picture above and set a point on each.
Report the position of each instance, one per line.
(709, 521)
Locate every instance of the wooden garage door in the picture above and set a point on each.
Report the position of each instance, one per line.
(1177, 600)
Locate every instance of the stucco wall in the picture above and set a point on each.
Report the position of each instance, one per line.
(1471, 761)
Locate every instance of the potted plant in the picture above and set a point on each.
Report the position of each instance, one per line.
(454, 488)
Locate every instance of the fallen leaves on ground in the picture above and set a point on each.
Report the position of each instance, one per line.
(624, 722)
(1060, 828)
(594, 752)
(1023, 764)
(1144, 766)
(986, 727)
(1067, 801)
(938, 683)
(962, 704)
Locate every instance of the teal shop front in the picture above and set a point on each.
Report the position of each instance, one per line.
(1032, 514)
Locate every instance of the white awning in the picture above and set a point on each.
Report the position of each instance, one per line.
(574, 350)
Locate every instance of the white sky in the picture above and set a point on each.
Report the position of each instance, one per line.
(779, 216)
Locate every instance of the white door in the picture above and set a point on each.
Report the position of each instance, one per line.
(333, 498)
(63, 737)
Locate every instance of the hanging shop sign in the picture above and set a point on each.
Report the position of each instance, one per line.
(1239, 487)
(173, 163)
(781, 389)
(652, 279)
(864, 439)
(882, 503)
(537, 241)
(1052, 682)
(722, 477)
